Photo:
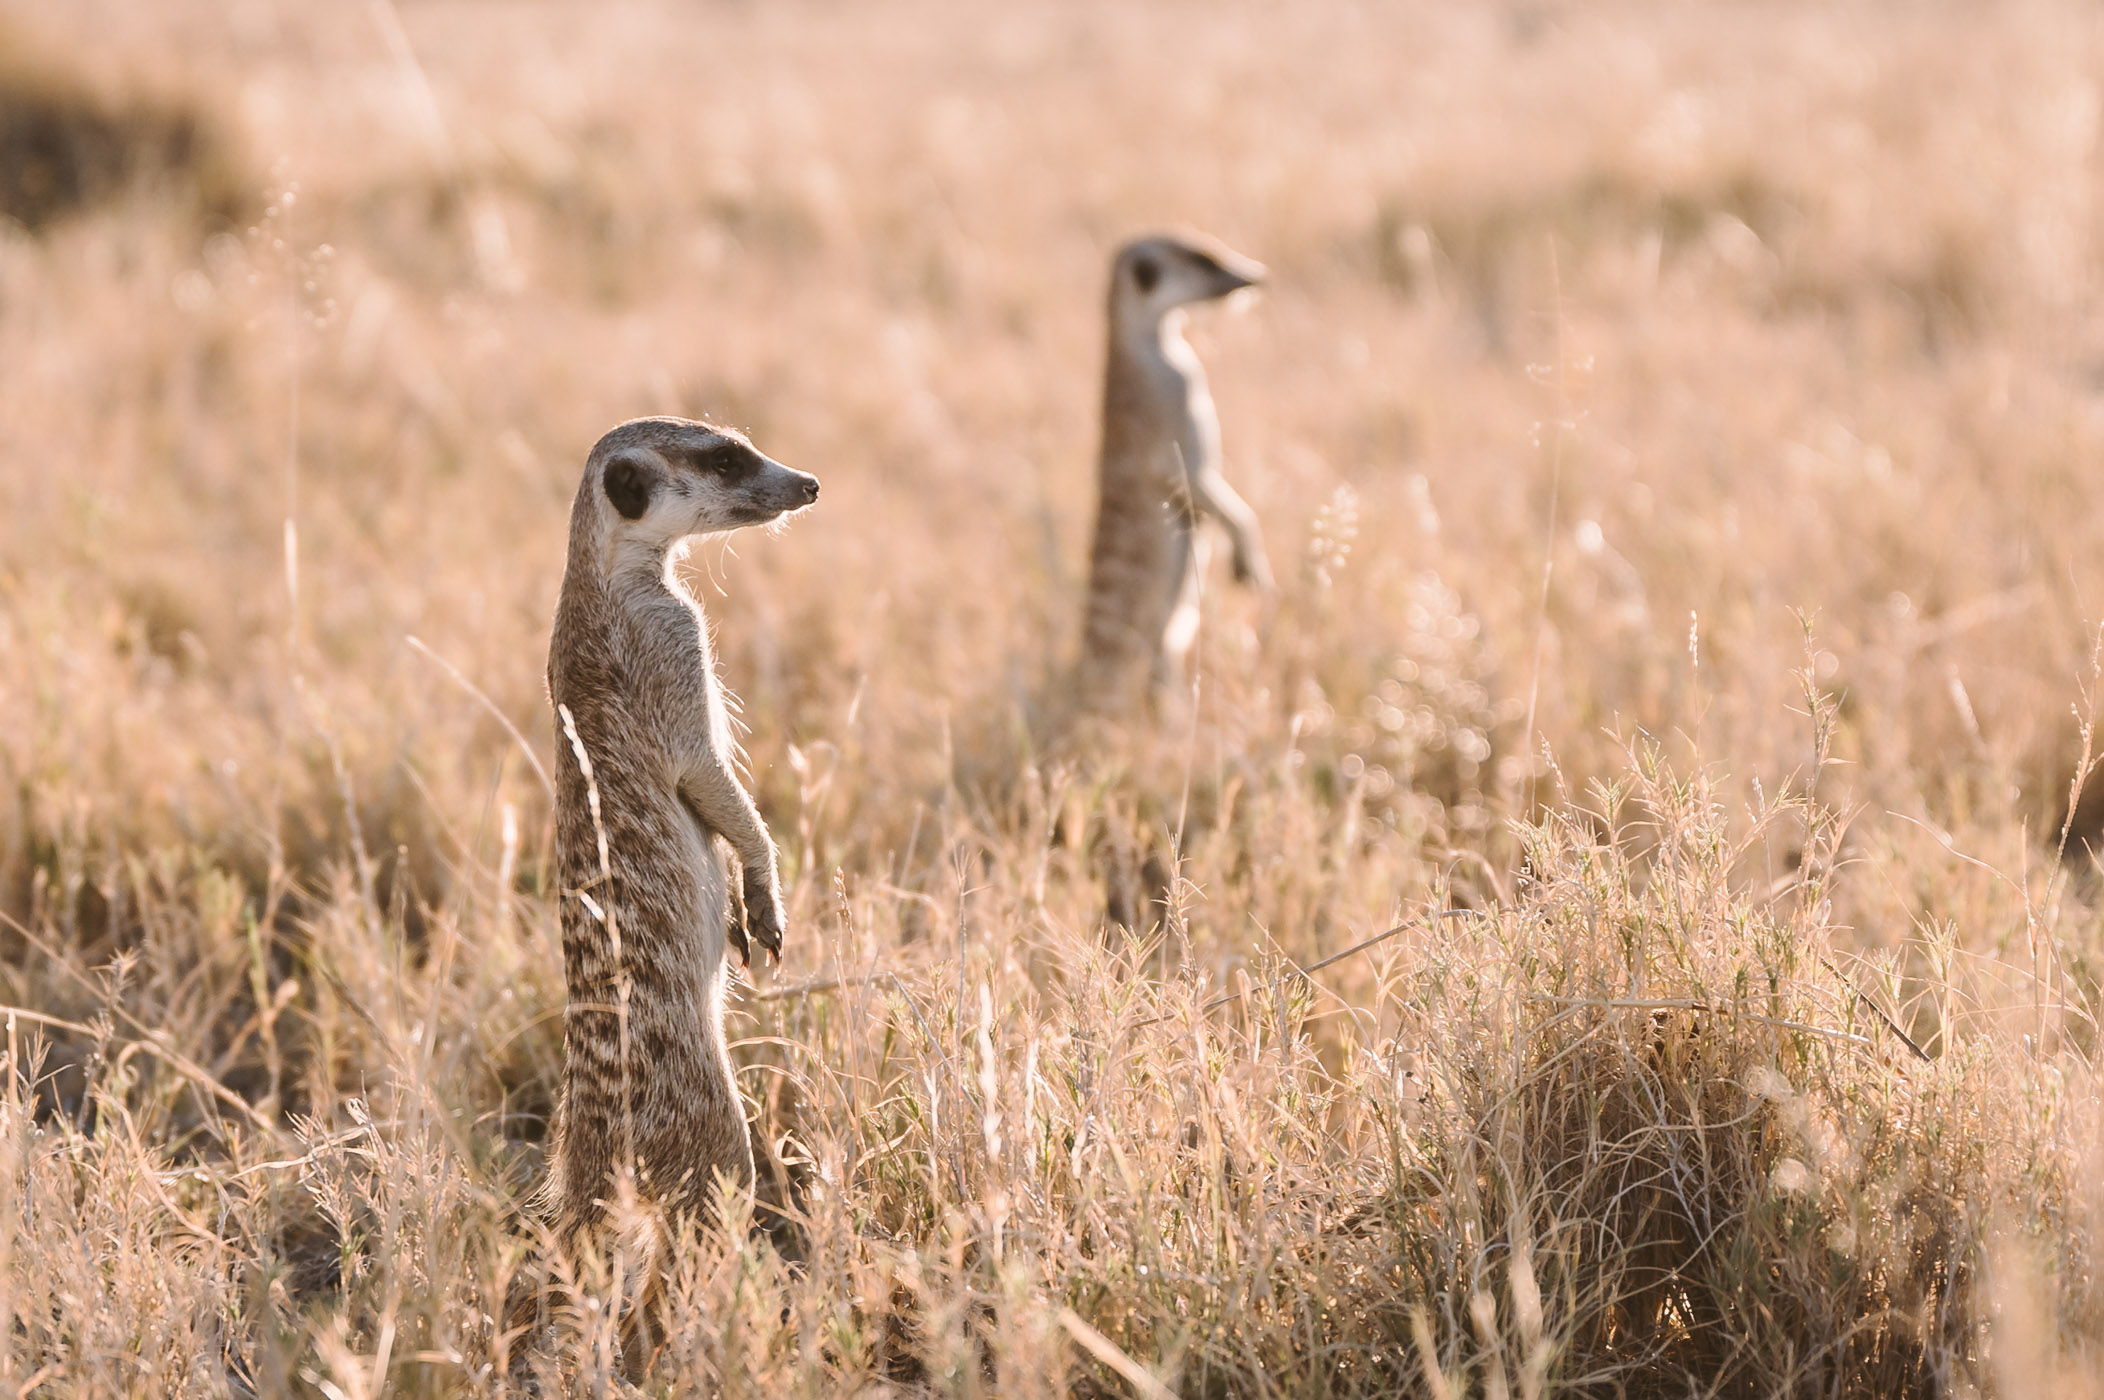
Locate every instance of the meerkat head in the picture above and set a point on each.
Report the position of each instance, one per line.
(1154, 275)
(660, 480)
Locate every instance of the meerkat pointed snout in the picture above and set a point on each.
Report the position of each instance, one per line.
(1159, 471)
(649, 809)
(1165, 273)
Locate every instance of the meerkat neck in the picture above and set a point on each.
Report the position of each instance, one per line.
(669, 579)
(643, 573)
(1157, 343)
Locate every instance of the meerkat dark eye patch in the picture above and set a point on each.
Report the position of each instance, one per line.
(630, 485)
(1145, 273)
(726, 458)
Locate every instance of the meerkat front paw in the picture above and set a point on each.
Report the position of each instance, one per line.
(1255, 570)
(763, 917)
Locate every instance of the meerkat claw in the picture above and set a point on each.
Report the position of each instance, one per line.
(768, 934)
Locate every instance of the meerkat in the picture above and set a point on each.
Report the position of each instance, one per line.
(646, 801)
(1160, 471)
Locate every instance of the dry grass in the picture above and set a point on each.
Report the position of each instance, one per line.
(1674, 434)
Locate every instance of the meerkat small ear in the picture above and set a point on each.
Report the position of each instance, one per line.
(1145, 273)
(630, 485)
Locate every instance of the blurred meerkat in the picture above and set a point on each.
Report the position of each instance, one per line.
(645, 802)
(1160, 471)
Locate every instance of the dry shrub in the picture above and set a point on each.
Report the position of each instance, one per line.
(66, 146)
(1699, 1154)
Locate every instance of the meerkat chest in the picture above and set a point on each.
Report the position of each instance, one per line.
(674, 695)
(705, 728)
(1169, 429)
(1189, 400)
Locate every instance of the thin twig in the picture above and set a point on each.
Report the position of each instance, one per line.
(1689, 1004)
(608, 916)
(1876, 1010)
(1557, 426)
(819, 984)
(306, 1159)
(533, 759)
(1112, 1355)
(1311, 968)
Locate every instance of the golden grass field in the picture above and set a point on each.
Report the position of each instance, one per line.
(1677, 432)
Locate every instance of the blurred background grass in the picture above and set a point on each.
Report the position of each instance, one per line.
(1671, 428)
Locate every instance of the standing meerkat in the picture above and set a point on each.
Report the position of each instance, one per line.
(646, 800)
(1160, 470)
